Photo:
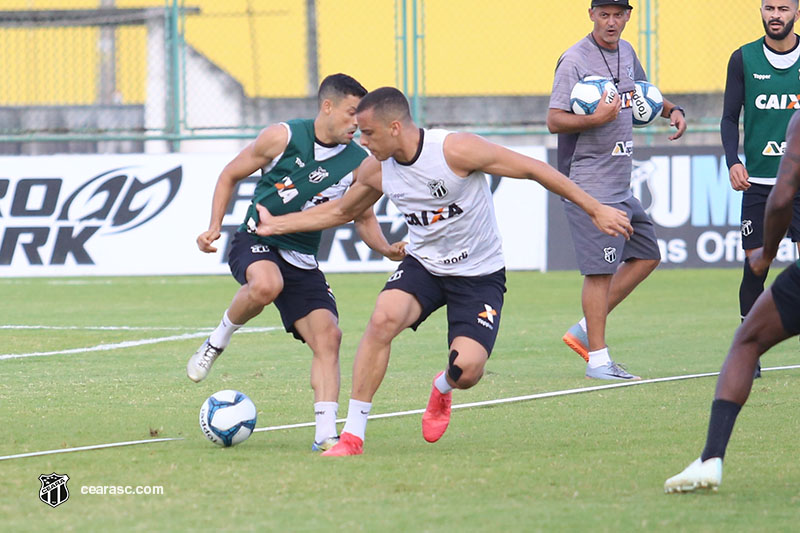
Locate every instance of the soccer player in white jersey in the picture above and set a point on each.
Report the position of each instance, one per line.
(454, 256)
(302, 162)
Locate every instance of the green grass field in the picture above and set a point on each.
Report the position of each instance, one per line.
(596, 460)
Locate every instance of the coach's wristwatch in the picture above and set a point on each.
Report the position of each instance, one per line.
(677, 108)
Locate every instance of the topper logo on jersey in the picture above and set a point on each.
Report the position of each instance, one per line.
(437, 188)
(777, 101)
(47, 227)
(774, 149)
(318, 175)
(426, 218)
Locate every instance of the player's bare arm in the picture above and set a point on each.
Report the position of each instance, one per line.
(270, 143)
(778, 214)
(370, 232)
(560, 121)
(466, 153)
(363, 194)
(676, 119)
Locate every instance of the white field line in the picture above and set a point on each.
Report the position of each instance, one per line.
(128, 344)
(84, 448)
(102, 328)
(499, 401)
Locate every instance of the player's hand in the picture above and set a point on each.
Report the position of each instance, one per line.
(678, 121)
(265, 226)
(739, 176)
(758, 262)
(205, 239)
(613, 221)
(397, 251)
(607, 111)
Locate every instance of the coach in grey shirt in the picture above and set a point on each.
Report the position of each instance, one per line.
(595, 152)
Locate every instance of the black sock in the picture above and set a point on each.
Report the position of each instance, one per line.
(720, 427)
(751, 288)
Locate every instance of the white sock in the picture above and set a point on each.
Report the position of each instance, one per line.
(441, 383)
(582, 323)
(599, 358)
(221, 337)
(357, 413)
(325, 416)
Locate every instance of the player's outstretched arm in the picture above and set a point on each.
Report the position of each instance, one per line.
(778, 214)
(370, 232)
(269, 144)
(364, 192)
(466, 153)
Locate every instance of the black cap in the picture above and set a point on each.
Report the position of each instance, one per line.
(623, 3)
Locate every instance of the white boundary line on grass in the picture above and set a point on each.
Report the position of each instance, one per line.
(128, 344)
(84, 448)
(499, 401)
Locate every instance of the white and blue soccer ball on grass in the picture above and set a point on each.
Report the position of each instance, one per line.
(647, 103)
(228, 417)
(586, 94)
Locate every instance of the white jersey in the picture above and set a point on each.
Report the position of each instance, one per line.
(452, 228)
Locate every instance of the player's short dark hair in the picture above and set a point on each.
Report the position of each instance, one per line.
(387, 102)
(337, 86)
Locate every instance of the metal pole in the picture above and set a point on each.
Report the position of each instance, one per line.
(174, 82)
(405, 48)
(312, 53)
(415, 67)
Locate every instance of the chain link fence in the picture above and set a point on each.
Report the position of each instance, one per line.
(166, 75)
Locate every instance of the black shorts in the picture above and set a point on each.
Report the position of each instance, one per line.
(786, 293)
(473, 302)
(754, 204)
(303, 290)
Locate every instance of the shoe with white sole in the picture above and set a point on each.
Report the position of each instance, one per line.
(610, 370)
(200, 363)
(698, 475)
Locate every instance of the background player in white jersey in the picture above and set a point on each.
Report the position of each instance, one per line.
(775, 317)
(454, 256)
(302, 162)
(595, 151)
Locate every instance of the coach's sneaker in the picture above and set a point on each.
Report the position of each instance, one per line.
(437, 414)
(325, 445)
(610, 370)
(577, 339)
(200, 363)
(348, 444)
(698, 475)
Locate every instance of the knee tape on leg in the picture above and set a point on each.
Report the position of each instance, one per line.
(453, 370)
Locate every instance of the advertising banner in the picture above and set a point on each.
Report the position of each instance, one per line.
(687, 193)
(74, 215)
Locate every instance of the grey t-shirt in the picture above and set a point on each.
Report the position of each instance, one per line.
(598, 160)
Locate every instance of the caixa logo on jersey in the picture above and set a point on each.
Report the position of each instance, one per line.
(48, 221)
